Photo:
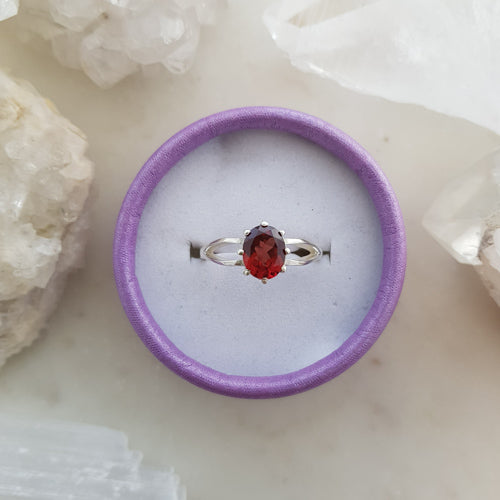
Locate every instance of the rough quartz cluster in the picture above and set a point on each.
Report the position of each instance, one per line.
(110, 39)
(465, 220)
(45, 179)
(56, 460)
(441, 54)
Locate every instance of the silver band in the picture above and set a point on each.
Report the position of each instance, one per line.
(220, 252)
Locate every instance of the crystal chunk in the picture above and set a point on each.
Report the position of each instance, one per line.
(52, 460)
(8, 8)
(465, 220)
(111, 39)
(45, 178)
(441, 54)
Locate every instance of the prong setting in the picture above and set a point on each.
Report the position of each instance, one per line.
(262, 252)
(281, 232)
(287, 251)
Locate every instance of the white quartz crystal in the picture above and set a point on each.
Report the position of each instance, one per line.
(44, 184)
(465, 220)
(110, 39)
(8, 8)
(441, 54)
(55, 460)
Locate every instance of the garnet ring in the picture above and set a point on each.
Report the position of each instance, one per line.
(264, 251)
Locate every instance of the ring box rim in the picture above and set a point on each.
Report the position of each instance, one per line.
(326, 136)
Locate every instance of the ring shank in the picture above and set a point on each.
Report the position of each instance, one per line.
(214, 251)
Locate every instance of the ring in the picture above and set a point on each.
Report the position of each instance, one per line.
(264, 251)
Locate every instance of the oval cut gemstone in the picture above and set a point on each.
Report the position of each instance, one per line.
(264, 252)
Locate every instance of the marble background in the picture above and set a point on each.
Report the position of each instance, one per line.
(416, 418)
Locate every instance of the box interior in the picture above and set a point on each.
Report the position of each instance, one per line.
(234, 323)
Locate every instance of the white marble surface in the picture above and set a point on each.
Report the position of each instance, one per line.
(416, 418)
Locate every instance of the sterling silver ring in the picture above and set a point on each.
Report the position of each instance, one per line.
(264, 251)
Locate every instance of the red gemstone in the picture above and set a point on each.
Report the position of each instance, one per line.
(264, 252)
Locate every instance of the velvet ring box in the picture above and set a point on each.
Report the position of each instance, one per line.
(227, 332)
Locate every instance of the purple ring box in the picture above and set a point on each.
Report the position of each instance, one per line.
(338, 144)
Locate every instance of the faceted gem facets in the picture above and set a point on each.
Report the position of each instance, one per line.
(264, 252)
